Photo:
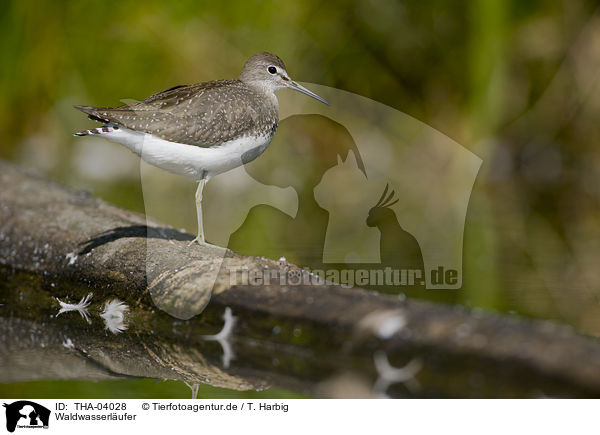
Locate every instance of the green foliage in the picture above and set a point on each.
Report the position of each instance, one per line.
(130, 389)
(511, 80)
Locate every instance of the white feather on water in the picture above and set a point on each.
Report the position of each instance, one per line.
(114, 315)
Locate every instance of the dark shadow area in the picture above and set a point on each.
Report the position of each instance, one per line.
(133, 231)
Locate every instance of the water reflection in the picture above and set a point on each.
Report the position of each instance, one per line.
(388, 375)
(224, 336)
(305, 357)
(81, 307)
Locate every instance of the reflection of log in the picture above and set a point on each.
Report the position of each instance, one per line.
(56, 243)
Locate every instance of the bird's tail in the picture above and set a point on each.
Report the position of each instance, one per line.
(92, 113)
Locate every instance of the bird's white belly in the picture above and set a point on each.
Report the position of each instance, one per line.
(190, 160)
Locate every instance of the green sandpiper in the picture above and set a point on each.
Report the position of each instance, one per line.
(205, 129)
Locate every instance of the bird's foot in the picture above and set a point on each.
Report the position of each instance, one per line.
(199, 240)
(203, 242)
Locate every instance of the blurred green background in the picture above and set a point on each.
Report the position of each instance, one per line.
(514, 81)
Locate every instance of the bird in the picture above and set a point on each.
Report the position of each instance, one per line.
(398, 248)
(204, 129)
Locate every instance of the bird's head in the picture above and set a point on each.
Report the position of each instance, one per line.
(268, 71)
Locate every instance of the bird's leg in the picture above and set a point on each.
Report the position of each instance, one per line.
(200, 237)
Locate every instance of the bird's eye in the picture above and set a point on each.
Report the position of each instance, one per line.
(272, 69)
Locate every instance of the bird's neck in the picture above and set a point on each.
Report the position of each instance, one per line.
(263, 89)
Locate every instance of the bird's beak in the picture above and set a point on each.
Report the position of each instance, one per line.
(295, 86)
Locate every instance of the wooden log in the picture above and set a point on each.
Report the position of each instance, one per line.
(58, 245)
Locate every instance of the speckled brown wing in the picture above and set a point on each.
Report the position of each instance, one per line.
(205, 114)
